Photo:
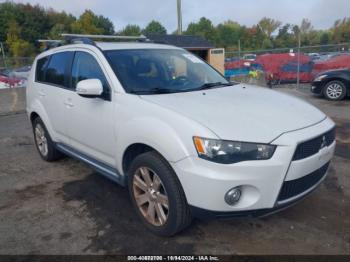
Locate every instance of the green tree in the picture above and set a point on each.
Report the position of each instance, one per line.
(131, 30)
(305, 26)
(307, 33)
(56, 31)
(267, 44)
(17, 46)
(341, 30)
(285, 37)
(325, 38)
(268, 26)
(154, 27)
(59, 23)
(89, 23)
(203, 28)
(105, 24)
(228, 34)
(33, 20)
(8, 12)
(251, 38)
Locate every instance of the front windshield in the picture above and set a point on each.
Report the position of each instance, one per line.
(147, 71)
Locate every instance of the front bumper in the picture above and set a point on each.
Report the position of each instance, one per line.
(316, 87)
(205, 183)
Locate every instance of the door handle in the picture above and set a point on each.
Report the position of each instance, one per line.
(69, 103)
(41, 93)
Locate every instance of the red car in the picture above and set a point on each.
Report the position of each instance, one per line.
(10, 81)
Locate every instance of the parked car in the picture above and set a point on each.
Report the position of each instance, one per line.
(9, 82)
(249, 57)
(21, 73)
(314, 56)
(185, 141)
(333, 85)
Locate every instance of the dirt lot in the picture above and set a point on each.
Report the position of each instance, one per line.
(66, 208)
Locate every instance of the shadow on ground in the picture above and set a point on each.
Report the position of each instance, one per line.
(118, 229)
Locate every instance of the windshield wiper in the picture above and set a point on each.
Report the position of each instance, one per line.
(214, 84)
(156, 90)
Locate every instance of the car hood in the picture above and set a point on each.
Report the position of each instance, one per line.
(242, 112)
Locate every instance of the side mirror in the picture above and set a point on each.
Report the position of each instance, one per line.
(89, 88)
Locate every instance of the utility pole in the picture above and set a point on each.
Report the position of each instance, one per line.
(239, 53)
(179, 18)
(3, 54)
(298, 66)
(239, 49)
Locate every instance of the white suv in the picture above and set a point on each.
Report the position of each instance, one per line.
(185, 141)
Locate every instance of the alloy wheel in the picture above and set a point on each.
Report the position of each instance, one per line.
(41, 140)
(334, 90)
(150, 196)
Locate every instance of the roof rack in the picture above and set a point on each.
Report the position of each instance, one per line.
(121, 37)
(87, 39)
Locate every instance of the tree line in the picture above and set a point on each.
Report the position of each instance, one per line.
(21, 25)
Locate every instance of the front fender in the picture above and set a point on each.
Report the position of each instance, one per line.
(172, 142)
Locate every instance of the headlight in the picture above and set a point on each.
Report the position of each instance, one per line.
(319, 78)
(229, 152)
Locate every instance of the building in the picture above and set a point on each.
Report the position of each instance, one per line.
(196, 45)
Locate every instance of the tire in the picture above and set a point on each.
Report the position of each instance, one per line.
(334, 90)
(43, 142)
(174, 218)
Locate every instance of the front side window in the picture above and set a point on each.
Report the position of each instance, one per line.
(162, 70)
(57, 70)
(85, 67)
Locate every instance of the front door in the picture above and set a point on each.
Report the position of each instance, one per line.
(91, 120)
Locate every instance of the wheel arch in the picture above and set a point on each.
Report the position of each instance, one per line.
(37, 110)
(132, 151)
(33, 115)
(337, 78)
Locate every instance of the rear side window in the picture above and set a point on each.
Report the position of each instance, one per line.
(85, 67)
(57, 70)
(41, 65)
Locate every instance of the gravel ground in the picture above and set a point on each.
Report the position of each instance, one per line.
(66, 208)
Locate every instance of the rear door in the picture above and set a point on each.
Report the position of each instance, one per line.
(53, 89)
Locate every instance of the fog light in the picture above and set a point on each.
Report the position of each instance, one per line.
(233, 196)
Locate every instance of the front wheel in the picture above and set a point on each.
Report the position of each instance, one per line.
(334, 90)
(157, 195)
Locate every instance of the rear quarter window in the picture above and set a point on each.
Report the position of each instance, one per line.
(41, 65)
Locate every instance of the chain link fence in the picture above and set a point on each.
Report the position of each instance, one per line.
(274, 67)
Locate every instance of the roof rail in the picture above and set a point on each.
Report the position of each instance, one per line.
(87, 39)
(51, 43)
(121, 37)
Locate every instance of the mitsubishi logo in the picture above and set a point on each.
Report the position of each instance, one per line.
(324, 142)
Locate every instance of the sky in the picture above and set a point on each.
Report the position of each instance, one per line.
(322, 13)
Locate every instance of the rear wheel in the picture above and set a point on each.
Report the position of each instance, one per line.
(43, 142)
(157, 195)
(334, 90)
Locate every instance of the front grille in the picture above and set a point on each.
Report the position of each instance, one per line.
(295, 187)
(312, 146)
